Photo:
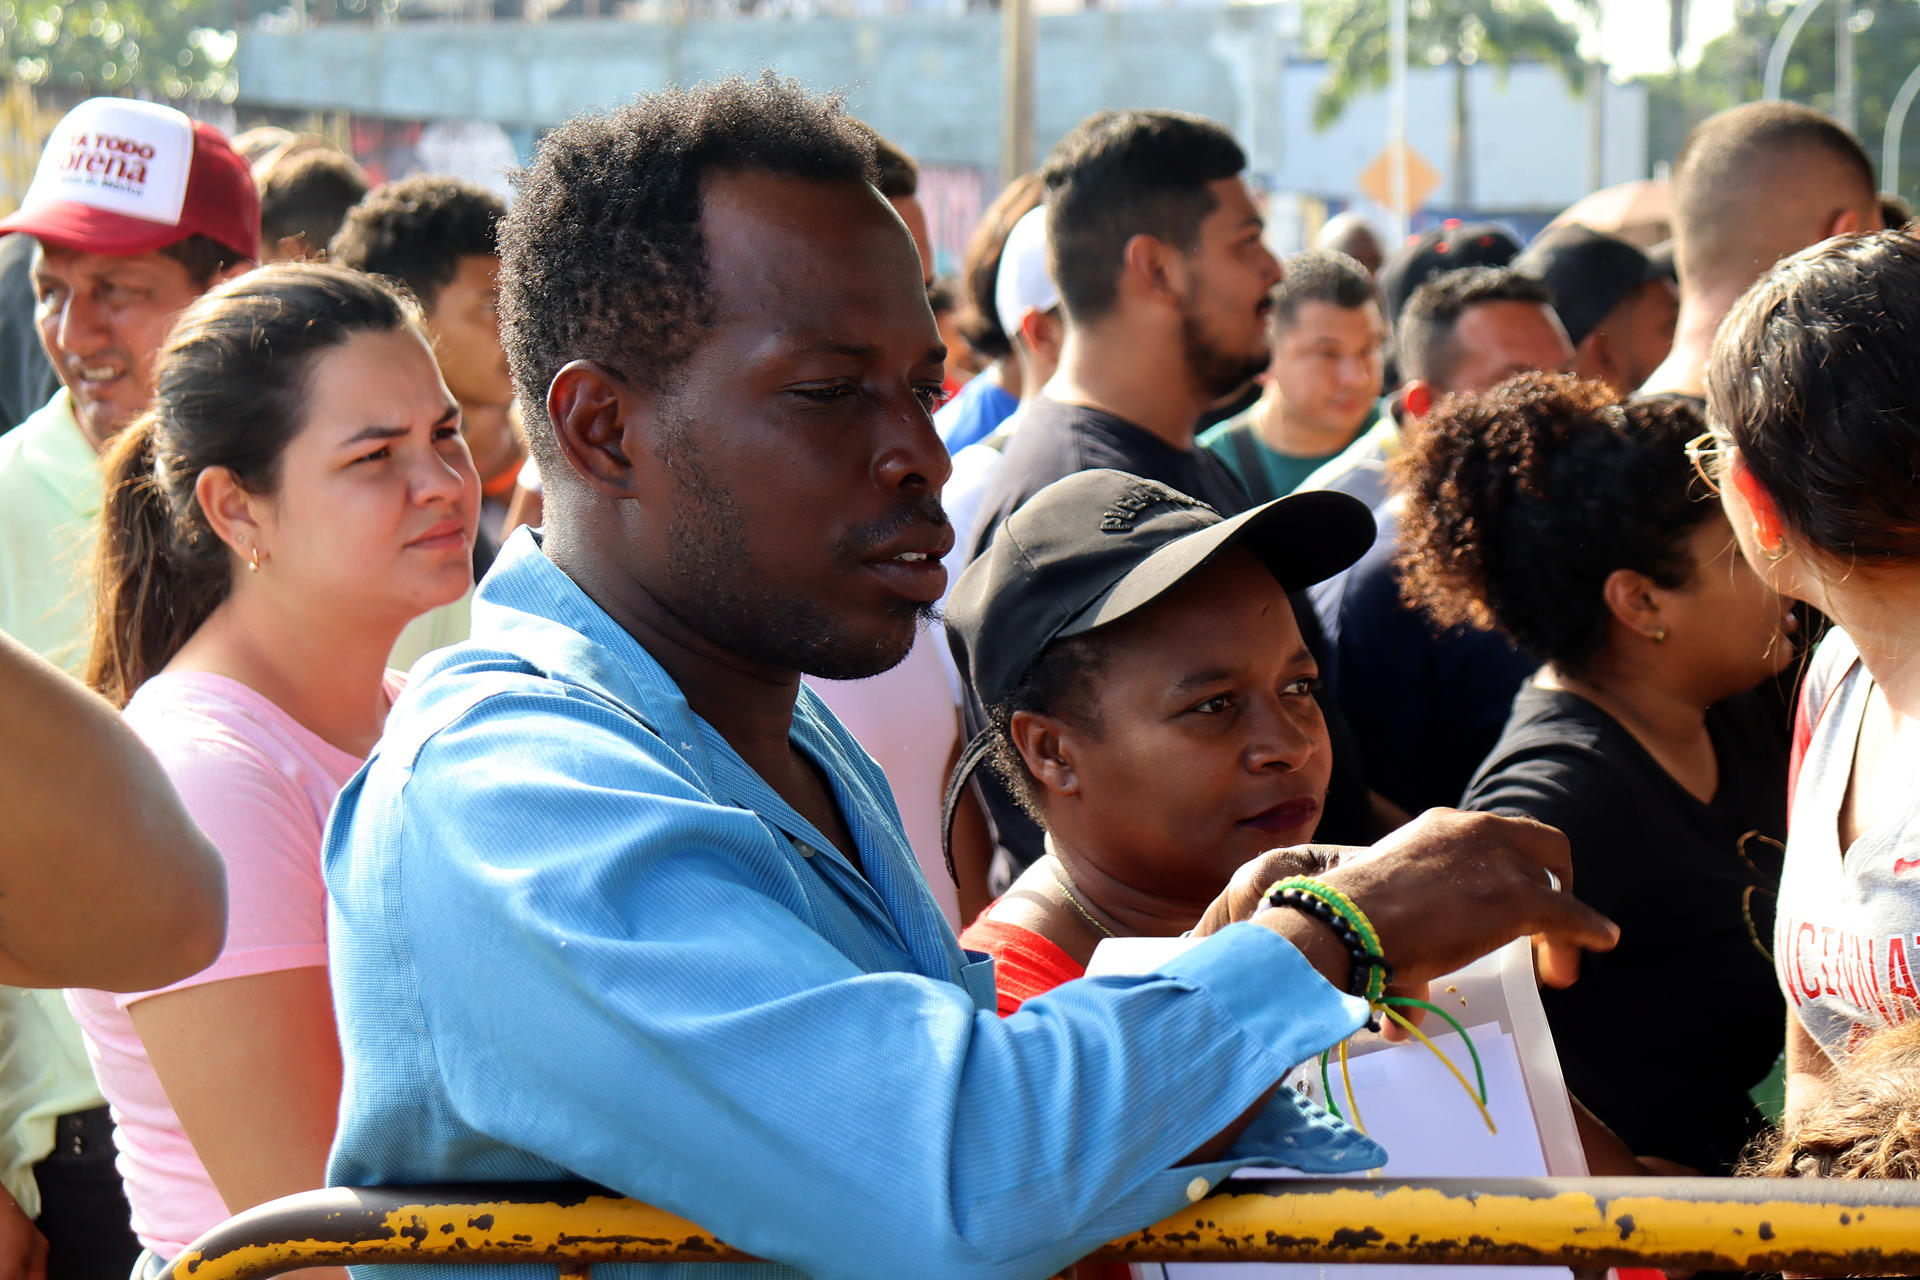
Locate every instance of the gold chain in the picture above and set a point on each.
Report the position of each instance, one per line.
(1084, 913)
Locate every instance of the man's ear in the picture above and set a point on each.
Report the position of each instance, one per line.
(590, 407)
(1039, 740)
(1595, 354)
(1844, 222)
(1043, 331)
(1155, 267)
(1418, 398)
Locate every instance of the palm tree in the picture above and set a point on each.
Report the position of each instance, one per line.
(1353, 38)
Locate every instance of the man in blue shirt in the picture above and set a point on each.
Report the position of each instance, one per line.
(616, 899)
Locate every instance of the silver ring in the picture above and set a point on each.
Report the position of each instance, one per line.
(1553, 881)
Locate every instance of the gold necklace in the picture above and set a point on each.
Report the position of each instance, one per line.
(1084, 913)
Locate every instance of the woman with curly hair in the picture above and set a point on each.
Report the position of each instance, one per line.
(1575, 524)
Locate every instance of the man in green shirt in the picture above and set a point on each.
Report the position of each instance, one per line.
(1328, 355)
(134, 212)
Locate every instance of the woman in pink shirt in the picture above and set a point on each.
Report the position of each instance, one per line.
(298, 492)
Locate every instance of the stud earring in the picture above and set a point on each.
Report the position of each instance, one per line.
(1659, 635)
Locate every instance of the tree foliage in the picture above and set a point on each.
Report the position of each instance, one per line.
(1353, 38)
(168, 48)
(1886, 47)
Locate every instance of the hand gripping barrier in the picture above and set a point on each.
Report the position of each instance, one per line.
(1820, 1227)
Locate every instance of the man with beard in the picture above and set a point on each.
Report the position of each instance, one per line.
(727, 990)
(1167, 288)
(1166, 284)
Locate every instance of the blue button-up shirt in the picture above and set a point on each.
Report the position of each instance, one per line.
(574, 936)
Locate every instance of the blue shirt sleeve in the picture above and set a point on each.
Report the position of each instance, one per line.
(642, 985)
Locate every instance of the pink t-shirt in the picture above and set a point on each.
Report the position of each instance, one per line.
(260, 785)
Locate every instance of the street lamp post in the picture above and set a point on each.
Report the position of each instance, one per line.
(1783, 45)
(1397, 42)
(1896, 122)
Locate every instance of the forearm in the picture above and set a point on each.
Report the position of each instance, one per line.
(104, 880)
(1010, 1146)
(1809, 1074)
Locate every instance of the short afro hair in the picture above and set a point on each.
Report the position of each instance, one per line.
(603, 257)
(417, 230)
(896, 173)
(1423, 336)
(1120, 174)
(1323, 275)
(1519, 502)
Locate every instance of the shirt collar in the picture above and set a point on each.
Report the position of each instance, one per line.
(61, 457)
(527, 606)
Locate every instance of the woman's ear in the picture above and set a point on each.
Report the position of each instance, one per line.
(1634, 601)
(1042, 741)
(232, 512)
(1767, 529)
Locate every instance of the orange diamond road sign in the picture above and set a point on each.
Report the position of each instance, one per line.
(1377, 178)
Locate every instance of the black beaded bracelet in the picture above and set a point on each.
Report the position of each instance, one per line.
(1362, 962)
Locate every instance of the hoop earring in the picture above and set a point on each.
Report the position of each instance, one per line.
(1775, 552)
(253, 562)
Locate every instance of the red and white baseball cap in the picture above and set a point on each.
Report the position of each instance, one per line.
(124, 177)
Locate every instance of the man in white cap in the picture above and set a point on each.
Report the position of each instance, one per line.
(1022, 288)
(1028, 305)
(135, 211)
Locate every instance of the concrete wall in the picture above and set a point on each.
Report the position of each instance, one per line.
(932, 83)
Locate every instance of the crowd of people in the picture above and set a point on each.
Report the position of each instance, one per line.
(854, 651)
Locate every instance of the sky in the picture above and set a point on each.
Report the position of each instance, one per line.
(1633, 33)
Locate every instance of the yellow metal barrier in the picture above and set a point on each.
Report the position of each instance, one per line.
(1827, 1228)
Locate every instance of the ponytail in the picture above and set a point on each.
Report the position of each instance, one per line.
(157, 574)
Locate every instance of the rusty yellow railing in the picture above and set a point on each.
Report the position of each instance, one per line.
(1830, 1228)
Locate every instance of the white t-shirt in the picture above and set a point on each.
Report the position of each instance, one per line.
(259, 784)
(1847, 935)
(964, 497)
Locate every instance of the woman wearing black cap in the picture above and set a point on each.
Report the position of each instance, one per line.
(1152, 705)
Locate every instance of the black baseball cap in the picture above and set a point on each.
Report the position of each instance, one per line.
(1590, 273)
(1438, 250)
(1090, 549)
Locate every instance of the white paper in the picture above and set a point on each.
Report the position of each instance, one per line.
(1412, 1105)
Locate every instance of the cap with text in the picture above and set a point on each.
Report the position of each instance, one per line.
(122, 177)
